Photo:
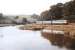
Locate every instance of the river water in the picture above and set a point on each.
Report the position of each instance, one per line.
(12, 38)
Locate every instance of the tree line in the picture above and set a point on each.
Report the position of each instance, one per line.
(60, 11)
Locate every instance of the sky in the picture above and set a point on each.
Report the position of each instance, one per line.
(26, 7)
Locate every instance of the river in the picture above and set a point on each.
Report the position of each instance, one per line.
(12, 38)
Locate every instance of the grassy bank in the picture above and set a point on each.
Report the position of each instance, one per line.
(70, 28)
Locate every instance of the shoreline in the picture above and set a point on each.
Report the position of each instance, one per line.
(69, 28)
(63, 27)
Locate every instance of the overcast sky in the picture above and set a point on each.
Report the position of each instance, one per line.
(17, 7)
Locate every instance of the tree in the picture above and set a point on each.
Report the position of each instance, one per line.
(35, 16)
(45, 15)
(24, 20)
(69, 10)
(1, 16)
(16, 17)
(57, 11)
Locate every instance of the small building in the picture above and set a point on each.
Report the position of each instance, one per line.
(52, 22)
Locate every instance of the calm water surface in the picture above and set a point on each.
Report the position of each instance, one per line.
(11, 38)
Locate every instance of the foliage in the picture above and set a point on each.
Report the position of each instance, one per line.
(45, 15)
(1, 16)
(16, 17)
(24, 20)
(55, 12)
(60, 11)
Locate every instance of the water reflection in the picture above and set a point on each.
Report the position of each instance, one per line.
(15, 39)
(60, 40)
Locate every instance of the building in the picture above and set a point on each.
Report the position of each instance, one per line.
(52, 22)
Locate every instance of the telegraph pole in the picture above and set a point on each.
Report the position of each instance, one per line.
(51, 24)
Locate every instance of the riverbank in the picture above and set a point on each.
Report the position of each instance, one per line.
(69, 28)
(63, 27)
